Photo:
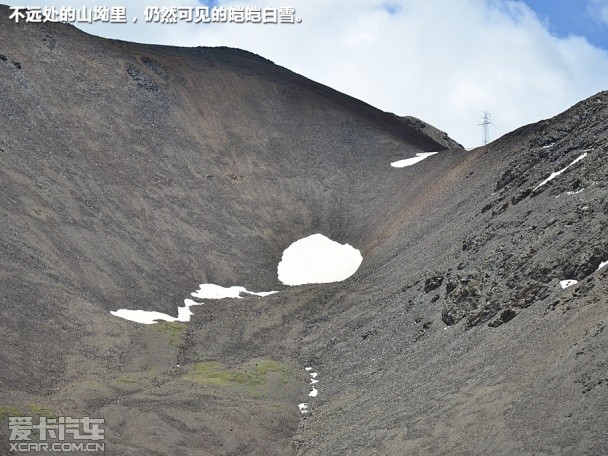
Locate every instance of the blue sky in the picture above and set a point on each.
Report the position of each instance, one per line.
(588, 18)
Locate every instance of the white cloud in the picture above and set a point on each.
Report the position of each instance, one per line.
(442, 61)
(598, 10)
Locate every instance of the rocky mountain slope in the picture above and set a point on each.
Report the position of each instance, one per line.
(133, 173)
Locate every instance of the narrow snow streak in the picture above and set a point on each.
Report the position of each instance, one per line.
(568, 283)
(557, 173)
(318, 259)
(211, 291)
(147, 317)
(602, 264)
(413, 160)
(205, 291)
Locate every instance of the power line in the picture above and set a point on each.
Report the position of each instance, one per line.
(486, 127)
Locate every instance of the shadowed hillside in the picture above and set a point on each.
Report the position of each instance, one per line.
(133, 173)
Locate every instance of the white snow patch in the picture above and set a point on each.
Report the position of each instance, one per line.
(603, 264)
(412, 161)
(145, 317)
(557, 173)
(212, 291)
(313, 391)
(184, 313)
(303, 407)
(548, 146)
(575, 193)
(568, 283)
(318, 259)
(205, 291)
(263, 294)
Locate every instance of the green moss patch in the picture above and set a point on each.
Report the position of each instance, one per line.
(173, 329)
(250, 378)
(41, 411)
(9, 410)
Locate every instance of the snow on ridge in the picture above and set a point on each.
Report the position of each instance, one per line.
(557, 173)
(567, 283)
(205, 291)
(413, 160)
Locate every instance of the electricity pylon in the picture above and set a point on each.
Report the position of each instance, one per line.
(486, 127)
